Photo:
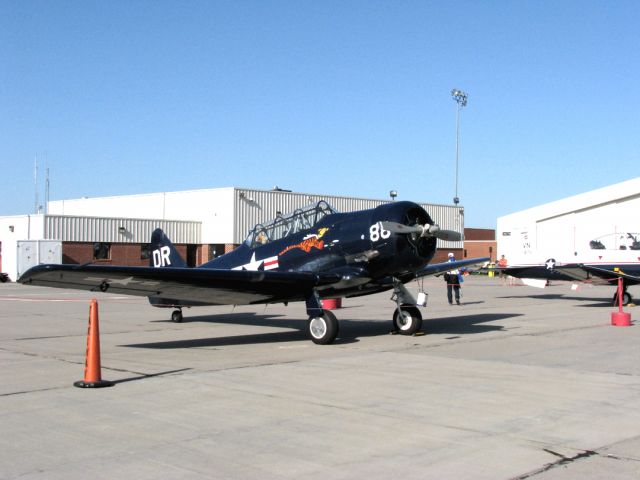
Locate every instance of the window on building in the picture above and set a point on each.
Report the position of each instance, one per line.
(145, 251)
(215, 250)
(101, 251)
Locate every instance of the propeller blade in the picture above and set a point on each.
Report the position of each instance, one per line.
(402, 229)
(448, 235)
(423, 230)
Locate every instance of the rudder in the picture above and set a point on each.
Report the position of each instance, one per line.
(163, 252)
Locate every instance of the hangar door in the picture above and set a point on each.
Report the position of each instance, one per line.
(557, 237)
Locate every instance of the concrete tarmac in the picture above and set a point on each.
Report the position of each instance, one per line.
(516, 383)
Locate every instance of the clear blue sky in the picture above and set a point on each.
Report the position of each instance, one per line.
(338, 97)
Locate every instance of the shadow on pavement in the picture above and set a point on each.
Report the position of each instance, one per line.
(350, 330)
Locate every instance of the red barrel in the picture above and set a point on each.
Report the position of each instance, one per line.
(621, 319)
(331, 303)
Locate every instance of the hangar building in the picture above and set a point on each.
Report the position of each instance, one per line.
(201, 223)
(567, 229)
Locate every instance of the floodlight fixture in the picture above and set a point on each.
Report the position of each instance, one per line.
(460, 97)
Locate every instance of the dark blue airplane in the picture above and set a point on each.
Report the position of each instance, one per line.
(310, 254)
(607, 272)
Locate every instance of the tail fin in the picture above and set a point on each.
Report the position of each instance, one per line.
(163, 252)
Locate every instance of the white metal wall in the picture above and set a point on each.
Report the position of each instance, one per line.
(36, 252)
(212, 207)
(14, 229)
(563, 229)
(123, 230)
(258, 206)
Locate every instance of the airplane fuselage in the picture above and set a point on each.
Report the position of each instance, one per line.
(342, 243)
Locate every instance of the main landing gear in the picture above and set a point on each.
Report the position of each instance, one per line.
(407, 319)
(626, 298)
(176, 316)
(323, 326)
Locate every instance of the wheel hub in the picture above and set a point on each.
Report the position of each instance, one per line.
(404, 320)
(318, 327)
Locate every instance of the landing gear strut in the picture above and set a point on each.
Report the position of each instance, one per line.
(407, 319)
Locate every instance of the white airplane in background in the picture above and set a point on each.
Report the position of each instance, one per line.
(608, 259)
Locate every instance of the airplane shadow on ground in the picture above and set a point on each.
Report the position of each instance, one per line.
(469, 324)
(595, 302)
(471, 303)
(350, 330)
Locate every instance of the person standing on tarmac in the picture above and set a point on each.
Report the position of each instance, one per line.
(502, 264)
(452, 277)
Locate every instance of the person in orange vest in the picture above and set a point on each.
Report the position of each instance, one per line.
(502, 264)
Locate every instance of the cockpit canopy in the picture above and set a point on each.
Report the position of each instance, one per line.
(616, 241)
(288, 224)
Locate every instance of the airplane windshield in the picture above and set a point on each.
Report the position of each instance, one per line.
(285, 225)
(616, 241)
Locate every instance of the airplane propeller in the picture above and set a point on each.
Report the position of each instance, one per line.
(423, 230)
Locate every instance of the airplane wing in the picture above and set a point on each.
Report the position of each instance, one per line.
(567, 273)
(188, 286)
(612, 273)
(436, 268)
(574, 272)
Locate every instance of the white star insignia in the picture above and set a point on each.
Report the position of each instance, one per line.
(253, 264)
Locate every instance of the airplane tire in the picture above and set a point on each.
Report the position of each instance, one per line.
(323, 329)
(176, 316)
(407, 320)
(626, 298)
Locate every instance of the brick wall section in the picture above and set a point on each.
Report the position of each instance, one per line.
(121, 254)
(203, 254)
(474, 234)
(229, 247)
(480, 242)
(481, 249)
(442, 255)
(77, 252)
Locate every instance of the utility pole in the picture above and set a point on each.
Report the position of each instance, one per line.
(461, 100)
(35, 182)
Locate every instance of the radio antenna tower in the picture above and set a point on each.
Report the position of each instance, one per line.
(35, 183)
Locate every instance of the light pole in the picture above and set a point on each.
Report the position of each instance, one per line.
(461, 99)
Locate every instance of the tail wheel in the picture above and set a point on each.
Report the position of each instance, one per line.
(407, 320)
(324, 328)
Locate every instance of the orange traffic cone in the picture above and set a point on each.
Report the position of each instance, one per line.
(92, 375)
